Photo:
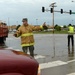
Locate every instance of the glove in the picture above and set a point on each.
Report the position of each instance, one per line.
(15, 35)
(45, 27)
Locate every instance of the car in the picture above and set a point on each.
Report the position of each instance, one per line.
(17, 63)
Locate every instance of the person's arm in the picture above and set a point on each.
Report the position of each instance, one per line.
(42, 27)
(18, 32)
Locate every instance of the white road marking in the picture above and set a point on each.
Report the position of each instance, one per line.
(39, 57)
(13, 49)
(9, 48)
(71, 61)
(54, 64)
(17, 50)
(71, 74)
(12, 38)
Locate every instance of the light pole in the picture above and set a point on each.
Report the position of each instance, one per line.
(9, 23)
(53, 5)
(17, 22)
(72, 22)
(52, 11)
(72, 1)
(36, 21)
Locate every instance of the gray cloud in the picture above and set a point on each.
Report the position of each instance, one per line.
(18, 9)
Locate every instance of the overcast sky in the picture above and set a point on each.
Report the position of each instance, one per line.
(15, 10)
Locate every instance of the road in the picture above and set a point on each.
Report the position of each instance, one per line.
(52, 61)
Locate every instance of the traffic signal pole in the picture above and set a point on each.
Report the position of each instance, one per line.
(53, 19)
(53, 33)
(61, 11)
(53, 5)
(52, 11)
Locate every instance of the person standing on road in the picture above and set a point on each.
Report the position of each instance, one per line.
(70, 36)
(26, 33)
(3, 34)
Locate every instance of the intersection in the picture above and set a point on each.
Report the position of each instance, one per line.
(58, 63)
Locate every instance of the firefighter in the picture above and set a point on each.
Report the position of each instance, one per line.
(6, 32)
(3, 34)
(1, 37)
(70, 36)
(26, 33)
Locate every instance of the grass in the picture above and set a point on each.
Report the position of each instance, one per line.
(51, 32)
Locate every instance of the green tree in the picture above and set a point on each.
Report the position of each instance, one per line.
(64, 26)
(57, 27)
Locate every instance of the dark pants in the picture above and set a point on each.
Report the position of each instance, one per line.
(1, 40)
(31, 50)
(72, 40)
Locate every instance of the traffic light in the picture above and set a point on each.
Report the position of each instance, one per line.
(61, 11)
(70, 12)
(51, 10)
(43, 9)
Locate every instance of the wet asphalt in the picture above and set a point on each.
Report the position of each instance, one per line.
(53, 48)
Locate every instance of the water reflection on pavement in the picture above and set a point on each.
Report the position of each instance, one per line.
(52, 62)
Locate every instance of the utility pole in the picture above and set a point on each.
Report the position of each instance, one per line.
(36, 21)
(53, 5)
(17, 22)
(9, 24)
(52, 11)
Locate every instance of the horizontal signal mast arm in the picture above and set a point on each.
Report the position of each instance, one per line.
(60, 11)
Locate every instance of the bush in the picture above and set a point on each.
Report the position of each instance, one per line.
(57, 27)
(64, 26)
